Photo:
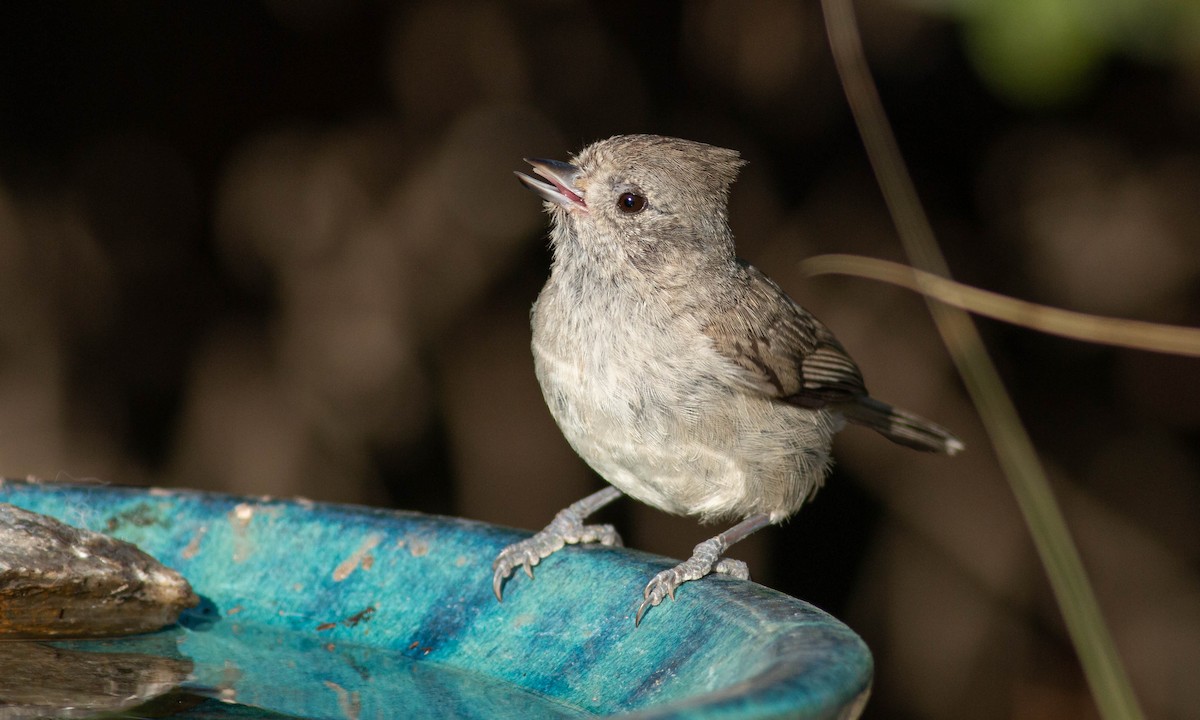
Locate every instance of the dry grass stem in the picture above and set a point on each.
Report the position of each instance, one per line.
(1135, 334)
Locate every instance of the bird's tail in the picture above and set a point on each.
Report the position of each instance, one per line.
(901, 427)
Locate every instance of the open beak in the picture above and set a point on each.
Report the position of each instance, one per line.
(556, 183)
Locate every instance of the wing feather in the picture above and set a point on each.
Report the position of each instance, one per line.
(780, 349)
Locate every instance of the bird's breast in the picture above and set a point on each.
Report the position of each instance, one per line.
(640, 396)
(613, 365)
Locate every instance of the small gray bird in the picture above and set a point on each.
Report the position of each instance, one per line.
(682, 375)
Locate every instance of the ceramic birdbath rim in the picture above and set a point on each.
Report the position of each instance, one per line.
(419, 586)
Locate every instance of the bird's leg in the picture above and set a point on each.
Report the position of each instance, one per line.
(706, 558)
(566, 528)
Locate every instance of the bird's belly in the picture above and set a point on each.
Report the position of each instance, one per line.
(689, 447)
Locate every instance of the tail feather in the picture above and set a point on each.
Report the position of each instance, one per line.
(902, 427)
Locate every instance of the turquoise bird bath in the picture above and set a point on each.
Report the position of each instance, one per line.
(314, 610)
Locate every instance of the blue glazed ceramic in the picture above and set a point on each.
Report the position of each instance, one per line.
(330, 611)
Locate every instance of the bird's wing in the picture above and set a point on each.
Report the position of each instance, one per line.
(779, 349)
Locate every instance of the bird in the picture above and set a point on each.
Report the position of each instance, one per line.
(681, 374)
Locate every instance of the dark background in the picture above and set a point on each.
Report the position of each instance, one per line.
(277, 248)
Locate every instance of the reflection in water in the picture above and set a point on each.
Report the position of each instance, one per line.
(40, 680)
(224, 670)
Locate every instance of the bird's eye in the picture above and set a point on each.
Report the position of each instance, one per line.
(631, 203)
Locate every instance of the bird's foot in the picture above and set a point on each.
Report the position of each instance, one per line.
(567, 528)
(706, 558)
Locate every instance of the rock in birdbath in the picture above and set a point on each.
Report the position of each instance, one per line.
(61, 581)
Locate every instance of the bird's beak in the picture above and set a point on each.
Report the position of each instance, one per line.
(558, 185)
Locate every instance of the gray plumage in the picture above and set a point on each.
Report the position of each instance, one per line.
(683, 376)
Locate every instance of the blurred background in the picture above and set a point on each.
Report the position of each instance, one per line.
(276, 247)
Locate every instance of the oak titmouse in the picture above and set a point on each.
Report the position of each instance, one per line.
(682, 375)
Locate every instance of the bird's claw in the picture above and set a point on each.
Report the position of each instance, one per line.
(704, 560)
(565, 529)
(517, 555)
(661, 586)
(733, 568)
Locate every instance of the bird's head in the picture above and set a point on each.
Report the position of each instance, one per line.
(648, 199)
